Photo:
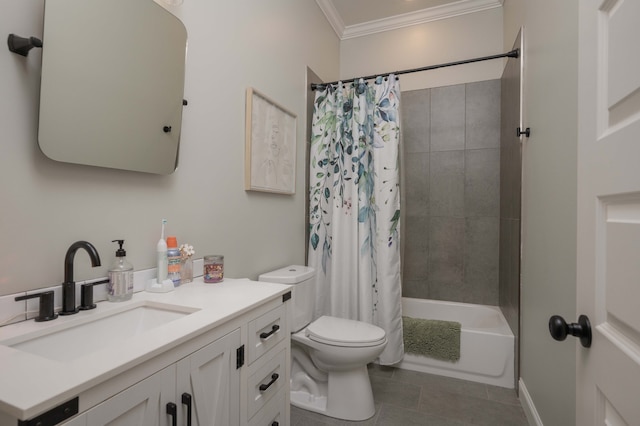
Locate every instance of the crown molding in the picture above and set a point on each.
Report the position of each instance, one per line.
(461, 7)
(333, 16)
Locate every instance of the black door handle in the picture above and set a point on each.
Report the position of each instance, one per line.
(186, 400)
(172, 410)
(264, 387)
(559, 329)
(275, 328)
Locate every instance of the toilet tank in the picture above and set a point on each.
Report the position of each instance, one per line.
(303, 295)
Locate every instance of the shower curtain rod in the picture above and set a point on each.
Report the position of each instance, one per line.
(512, 54)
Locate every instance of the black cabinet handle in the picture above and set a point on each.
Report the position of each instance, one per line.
(172, 410)
(275, 328)
(275, 424)
(186, 400)
(264, 387)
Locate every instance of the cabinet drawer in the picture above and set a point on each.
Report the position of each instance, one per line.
(265, 382)
(274, 413)
(265, 332)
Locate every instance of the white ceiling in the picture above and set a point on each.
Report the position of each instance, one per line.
(355, 18)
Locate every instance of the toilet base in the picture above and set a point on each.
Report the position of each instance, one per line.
(349, 396)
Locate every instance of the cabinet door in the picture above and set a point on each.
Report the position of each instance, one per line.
(211, 378)
(139, 405)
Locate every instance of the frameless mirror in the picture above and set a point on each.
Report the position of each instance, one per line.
(112, 84)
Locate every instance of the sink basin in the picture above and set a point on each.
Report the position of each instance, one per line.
(73, 340)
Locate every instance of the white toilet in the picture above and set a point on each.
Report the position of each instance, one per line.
(329, 355)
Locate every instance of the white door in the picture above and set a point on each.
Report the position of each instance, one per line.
(608, 373)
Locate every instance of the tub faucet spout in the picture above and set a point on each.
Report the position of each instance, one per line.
(69, 286)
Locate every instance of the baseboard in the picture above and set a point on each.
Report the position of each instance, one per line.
(528, 406)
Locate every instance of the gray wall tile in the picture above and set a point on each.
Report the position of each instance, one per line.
(416, 116)
(481, 261)
(416, 250)
(416, 171)
(482, 183)
(452, 193)
(446, 184)
(417, 288)
(483, 114)
(447, 118)
(446, 249)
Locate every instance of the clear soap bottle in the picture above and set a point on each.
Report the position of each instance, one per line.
(120, 287)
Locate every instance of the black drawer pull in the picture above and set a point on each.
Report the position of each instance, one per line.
(172, 410)
(264, 387)
(186, 400)
(275, 328)
(275, 424)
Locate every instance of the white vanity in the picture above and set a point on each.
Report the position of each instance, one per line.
(221, 349)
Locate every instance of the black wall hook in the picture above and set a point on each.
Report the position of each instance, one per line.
(21, 45)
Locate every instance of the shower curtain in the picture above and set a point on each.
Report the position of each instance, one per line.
(355, 206)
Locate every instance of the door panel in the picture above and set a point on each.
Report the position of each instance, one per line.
(139, 405)
(210, 376)
(608, 374)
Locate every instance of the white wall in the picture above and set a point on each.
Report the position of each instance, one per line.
(462, 37)
(46, 206)
(549, 200)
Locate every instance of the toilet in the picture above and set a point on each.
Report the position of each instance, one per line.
(329, 356)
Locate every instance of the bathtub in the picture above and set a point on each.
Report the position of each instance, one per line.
(486, 342)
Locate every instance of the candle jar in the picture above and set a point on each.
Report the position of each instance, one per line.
(213, 268)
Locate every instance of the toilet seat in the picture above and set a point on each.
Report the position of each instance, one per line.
(344, 332)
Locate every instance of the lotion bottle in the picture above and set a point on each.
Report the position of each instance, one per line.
(120, 286)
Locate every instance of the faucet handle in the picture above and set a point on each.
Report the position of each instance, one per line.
(46, 312)
(86, 295)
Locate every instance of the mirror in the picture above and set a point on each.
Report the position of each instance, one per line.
(112, 84)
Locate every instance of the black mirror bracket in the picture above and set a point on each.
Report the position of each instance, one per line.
(21, 45)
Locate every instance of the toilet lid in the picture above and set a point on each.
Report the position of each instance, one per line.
(344, 332)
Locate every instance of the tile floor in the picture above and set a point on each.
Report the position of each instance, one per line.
(408, 398)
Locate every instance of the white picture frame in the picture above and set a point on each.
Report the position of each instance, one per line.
(270, 145)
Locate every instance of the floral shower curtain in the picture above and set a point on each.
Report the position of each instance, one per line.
(355, 206)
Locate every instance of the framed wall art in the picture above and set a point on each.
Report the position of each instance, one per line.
(270, 146)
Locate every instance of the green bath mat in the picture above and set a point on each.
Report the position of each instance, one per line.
(432, 338)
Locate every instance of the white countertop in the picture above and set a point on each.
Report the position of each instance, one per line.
(30, 382)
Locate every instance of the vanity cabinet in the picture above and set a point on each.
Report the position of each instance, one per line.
(238, 378)
(207, 383)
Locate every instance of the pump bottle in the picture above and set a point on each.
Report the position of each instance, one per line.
(120, 286)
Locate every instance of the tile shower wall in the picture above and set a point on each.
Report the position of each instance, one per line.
(451, 139)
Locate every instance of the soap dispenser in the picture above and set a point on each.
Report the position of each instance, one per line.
(120, 286)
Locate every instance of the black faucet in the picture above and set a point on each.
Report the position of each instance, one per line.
(69, 286)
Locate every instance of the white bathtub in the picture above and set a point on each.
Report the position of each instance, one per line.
(486, 342)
